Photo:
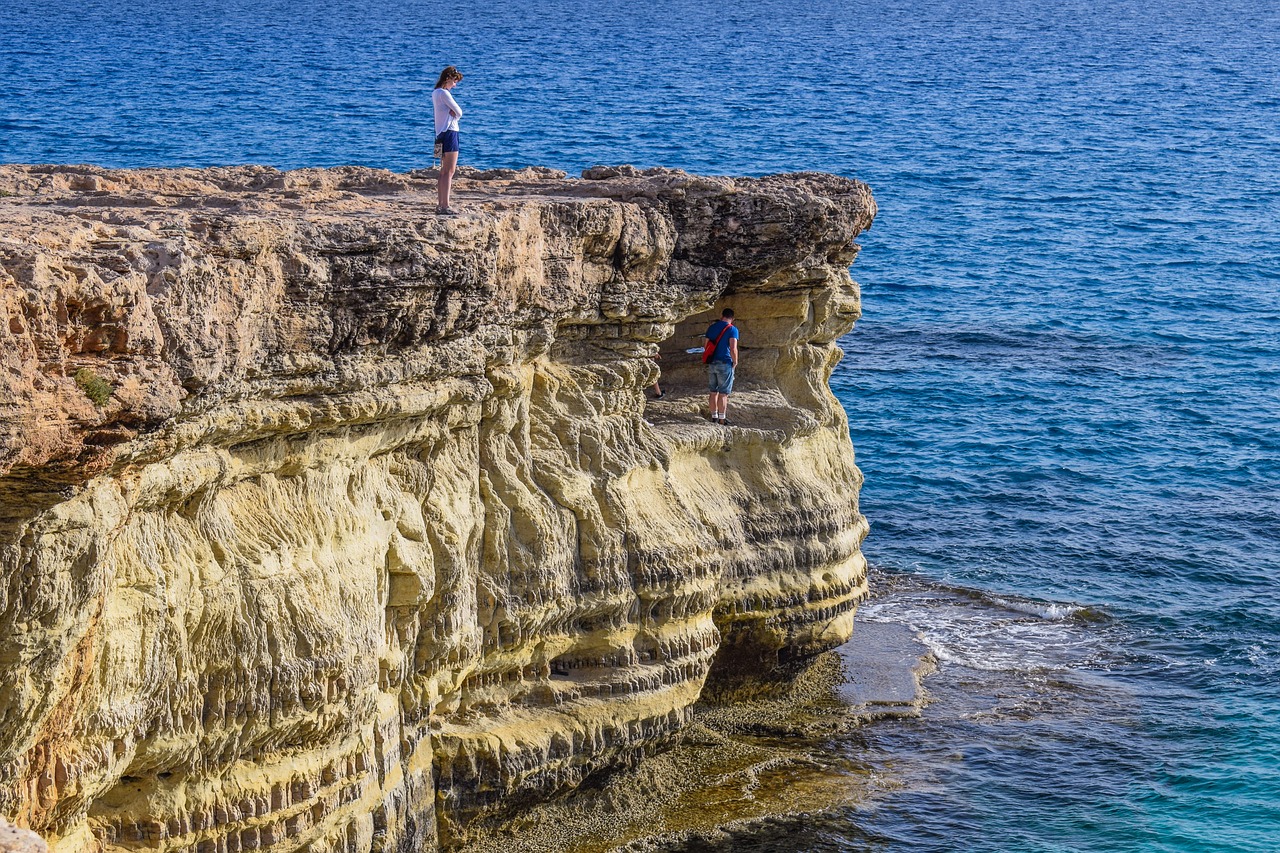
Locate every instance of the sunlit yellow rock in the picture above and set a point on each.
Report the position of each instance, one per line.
(358, 524)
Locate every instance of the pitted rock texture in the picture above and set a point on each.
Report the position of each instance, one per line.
(330, 523)
(15, 840)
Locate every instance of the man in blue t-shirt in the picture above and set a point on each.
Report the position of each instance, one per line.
(721, 364)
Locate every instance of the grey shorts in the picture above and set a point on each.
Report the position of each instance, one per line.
(720, 377)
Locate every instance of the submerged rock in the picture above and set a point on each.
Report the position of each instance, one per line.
(326, 521)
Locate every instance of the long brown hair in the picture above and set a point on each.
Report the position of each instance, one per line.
(449, 73)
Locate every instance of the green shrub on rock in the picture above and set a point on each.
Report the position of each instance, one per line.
(94, 386)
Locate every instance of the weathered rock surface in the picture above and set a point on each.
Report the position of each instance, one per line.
(15, 840)
(327, 522)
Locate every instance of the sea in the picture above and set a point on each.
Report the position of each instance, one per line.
(1064, 390)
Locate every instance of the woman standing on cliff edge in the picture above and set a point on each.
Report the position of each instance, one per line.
(447, 114)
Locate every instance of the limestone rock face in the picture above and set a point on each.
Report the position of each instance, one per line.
(327, 522)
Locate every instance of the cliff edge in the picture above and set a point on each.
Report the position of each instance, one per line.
(330, 523)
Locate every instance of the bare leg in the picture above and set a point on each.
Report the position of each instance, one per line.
(448, 163)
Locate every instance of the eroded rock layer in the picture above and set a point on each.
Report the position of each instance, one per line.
(327, 522)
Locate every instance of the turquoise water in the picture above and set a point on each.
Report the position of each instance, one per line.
(1064, 390)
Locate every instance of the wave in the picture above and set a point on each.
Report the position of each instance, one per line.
(1046, 610)
(992, 632)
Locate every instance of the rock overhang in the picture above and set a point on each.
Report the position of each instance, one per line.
(374, 531)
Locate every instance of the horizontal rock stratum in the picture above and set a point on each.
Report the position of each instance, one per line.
(330, 523)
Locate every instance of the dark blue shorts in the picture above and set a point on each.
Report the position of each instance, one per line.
(448, 141)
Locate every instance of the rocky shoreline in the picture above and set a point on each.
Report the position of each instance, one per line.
(328, 522)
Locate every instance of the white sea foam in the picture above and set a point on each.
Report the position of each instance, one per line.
(965, 627)
(1046, 610)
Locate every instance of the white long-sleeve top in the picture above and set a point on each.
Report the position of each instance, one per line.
(447, 111)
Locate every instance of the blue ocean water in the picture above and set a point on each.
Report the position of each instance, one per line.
(1064, 392)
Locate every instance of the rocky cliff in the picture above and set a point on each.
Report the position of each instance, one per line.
(330, 523)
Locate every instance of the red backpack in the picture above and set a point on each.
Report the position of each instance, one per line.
(710, 348)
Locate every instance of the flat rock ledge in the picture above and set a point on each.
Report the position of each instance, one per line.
(886, 663)
(330, 523)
